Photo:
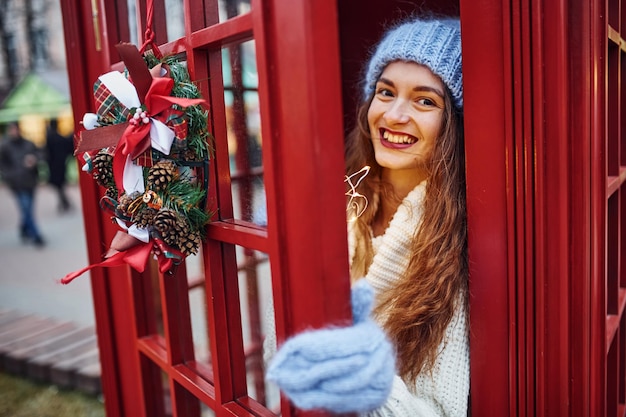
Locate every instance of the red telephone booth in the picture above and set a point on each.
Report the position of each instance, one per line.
(545, 153)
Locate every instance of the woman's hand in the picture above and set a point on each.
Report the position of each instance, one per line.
(342, 370)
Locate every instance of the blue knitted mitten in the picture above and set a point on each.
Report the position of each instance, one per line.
(342, 370)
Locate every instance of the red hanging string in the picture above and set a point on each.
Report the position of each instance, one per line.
(149, 33)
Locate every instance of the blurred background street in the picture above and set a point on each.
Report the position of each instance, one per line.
(48, 353)
(34, 91)
(29, 275)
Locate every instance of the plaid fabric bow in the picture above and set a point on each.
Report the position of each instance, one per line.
(135, 115)
(134, 137)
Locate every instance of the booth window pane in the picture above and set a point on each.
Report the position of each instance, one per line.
(255, 295)
(198, 309)
(245, 145)
(175, 19)
(232, 8)
(148, 285)
(132, 22)
(199, 325)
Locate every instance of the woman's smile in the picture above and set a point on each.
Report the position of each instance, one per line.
(405, 116)
(392, 139)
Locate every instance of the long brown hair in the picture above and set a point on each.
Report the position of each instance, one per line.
(417, 310)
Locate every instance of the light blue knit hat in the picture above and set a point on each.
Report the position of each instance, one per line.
(435, 43)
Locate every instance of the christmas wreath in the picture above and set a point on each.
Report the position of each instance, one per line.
(148, 145)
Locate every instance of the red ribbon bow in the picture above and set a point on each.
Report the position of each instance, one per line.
(154, 93)
(133, 140)
(136, 257)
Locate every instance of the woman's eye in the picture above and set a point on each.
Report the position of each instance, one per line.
(385, 92)
(426, 102)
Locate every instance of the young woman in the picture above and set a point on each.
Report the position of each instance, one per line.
(408, 242)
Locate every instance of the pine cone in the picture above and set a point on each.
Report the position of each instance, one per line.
(179, 235)
(103, 169)
(166, 223)
(189, 155)
(165, 220)
(111, 192)
(144, 218)
(189, 243)
(124, 202)
(161, 174)
(172, 227)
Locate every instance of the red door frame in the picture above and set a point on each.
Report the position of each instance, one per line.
(535, 118)
(87, 56)
(534, 84)
(488, 212)
(300, 109)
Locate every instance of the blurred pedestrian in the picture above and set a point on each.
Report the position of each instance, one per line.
(19, 159)
(58, 149)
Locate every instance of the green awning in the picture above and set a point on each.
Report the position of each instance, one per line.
(33, 96)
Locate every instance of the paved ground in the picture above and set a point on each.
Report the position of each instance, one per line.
(28, 275)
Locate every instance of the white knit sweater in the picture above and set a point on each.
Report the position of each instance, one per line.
(443, 391)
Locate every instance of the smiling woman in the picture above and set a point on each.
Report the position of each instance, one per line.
(405, 119)
(408, 245)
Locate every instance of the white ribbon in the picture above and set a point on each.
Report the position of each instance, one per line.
(161, 136)
(161, 139)
(133, 177)
(121, 88)
(134, 231)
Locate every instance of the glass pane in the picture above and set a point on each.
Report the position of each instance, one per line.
(255, 290)
(132, 22)
(175, 19)
(199, 324)
(232, 8)
(156, 391)
(206, 411)
(198, 310)
(186, 403)
(244, 132)
(154, 308)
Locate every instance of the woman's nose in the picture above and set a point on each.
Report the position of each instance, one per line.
(397, 112)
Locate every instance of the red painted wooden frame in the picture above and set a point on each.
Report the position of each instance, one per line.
(487, 74)
(539, 138)
(545, 284)
(305, 237)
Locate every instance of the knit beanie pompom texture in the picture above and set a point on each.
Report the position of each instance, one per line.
(435, 43)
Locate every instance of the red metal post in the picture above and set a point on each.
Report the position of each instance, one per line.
(598, 47)
(88, 56)
(303, 139)
(485, 63)
(581, 173)
(551, 134)
(84, 44)
(541, 331)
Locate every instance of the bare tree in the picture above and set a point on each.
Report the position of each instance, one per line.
(23, 34)
(29, 19)
(35, 16)
(8, 52)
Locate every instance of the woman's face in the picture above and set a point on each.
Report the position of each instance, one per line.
(405, 116)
